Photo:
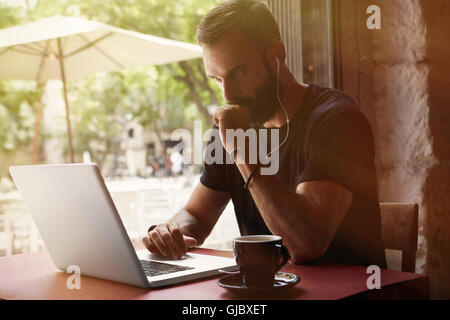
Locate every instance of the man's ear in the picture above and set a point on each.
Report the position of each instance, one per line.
(277, 51)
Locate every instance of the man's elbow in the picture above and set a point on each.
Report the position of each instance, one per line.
(308, 256)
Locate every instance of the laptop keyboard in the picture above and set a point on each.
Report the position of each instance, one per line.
(153, 268)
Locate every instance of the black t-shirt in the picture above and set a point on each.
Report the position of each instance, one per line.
(329, 140)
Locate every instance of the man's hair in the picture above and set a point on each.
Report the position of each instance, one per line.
(251, 17)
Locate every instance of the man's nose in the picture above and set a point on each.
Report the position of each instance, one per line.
(228, 91)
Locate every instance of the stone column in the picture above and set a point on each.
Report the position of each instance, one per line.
(411, 139)
(436, 188)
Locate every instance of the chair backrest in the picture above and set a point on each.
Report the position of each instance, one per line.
(399, 228)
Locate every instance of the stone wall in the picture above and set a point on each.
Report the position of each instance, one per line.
(436, 189)
(404, 90)
(400, 107)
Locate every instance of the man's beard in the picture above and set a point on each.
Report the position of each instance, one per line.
(265, 103)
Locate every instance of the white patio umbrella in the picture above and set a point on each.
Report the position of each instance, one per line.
(62, 48)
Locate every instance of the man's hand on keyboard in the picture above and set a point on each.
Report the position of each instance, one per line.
(167, 240)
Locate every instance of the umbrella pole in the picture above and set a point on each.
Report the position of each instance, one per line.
(37, 129)
(66, 100)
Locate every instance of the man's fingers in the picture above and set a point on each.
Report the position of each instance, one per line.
(168, 240)
(216, 118)
(172, 247)
(218, 114)
(177, 236)
(155, 238)
(150, 246)
(189, 241)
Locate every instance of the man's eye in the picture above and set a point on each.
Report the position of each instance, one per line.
(237, 74)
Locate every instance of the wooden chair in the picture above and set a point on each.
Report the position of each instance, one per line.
(399, 229)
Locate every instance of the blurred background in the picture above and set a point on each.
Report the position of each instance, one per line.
(121, 120)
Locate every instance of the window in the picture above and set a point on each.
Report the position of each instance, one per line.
(306, 28)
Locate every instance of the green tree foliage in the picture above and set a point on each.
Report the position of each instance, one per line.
(16, 98)
(16, 114)
(9, 16)
(158, 97)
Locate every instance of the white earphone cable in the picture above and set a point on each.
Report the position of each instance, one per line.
(281, 104)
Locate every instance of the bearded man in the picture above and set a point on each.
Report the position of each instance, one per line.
(323, 198)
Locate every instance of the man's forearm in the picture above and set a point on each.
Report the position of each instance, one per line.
(286, 213)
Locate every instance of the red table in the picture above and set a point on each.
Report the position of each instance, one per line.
(33, 276)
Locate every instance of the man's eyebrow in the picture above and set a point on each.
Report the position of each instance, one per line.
(235, 69)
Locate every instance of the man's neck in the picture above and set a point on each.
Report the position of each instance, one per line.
(292, 99)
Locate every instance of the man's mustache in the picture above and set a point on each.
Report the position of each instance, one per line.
(246, 102)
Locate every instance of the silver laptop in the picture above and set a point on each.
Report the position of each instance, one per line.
(80, 225)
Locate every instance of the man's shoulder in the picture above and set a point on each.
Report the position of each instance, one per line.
(334, 106)
(331, 94)
(330, 102)
(333, 115)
